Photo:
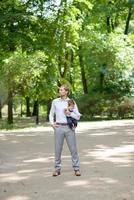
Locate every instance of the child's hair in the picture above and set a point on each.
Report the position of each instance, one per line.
(71, 101)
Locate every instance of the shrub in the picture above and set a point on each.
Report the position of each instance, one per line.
(126, 108)
(100, 105)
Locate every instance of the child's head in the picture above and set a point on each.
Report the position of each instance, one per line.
(71, 103)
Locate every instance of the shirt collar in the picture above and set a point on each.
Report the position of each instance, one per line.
(64, 99)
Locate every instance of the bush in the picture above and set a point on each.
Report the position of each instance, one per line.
(126, 108)
(112, 108)
(91, 105)
(100, 106)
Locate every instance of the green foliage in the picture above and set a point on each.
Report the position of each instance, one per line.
(105, 107)
(5, 125)
(91, 105)
(126, 108)
(29, 75)
(78, 42)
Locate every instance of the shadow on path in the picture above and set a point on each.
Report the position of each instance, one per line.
(107, 161)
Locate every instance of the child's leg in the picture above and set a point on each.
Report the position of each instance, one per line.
(69, 121)
(74, 121)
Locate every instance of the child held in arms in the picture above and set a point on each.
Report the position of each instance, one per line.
(72, 123)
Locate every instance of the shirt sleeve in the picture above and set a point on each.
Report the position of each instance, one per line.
(51, 113)
(75, 114)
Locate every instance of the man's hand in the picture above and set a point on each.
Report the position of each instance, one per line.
(55, 125)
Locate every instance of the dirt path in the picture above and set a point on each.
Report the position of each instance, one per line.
(106, 151)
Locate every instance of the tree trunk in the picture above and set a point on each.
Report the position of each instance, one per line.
(10, 107)
(10, 94)
(48, 108)
(34, 108)
(28, 113)
(37, 112)
(83, 75)
(21, 110)
(71, 66)
(101, 81)
(0, 110)
(112, 24)
(108, 25)
(128, 20)
(60, 64)
(65, 65)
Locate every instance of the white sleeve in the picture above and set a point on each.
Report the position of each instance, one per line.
(51, 113)
(75, 114)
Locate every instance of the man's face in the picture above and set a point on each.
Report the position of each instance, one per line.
(62, 92)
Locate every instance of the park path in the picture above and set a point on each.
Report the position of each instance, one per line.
(106, 151)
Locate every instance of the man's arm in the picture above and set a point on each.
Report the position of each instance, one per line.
(51, 113)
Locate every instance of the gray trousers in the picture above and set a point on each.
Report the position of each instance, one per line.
(60, 133)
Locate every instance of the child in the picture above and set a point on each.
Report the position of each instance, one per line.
(70, 120)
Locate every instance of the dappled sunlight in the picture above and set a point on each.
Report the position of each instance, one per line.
(12, 178)
(107, 132)
(76, 183)
(85, 163)
(106, 158)
(21, 165)
(121, 154)
(39, 160)
(98, 183)
(36, 172)
(16, 197)
(15, 142)
(63, 156)
(108, 180)
(130, 133)
(128, 142)
(38, 129)
(84, 126)
(47, 174)
(3, 138)
(27, 171)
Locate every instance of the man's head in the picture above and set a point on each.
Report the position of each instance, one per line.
(64, 91)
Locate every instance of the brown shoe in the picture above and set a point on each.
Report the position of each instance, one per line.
(56, 173)
(77, 173)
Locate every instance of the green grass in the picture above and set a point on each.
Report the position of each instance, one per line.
(20, 123)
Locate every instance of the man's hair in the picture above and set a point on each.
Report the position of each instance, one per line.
(66, 87)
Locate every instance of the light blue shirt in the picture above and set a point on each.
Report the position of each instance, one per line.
(58, 110)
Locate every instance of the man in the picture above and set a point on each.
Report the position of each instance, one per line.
(62, 130)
